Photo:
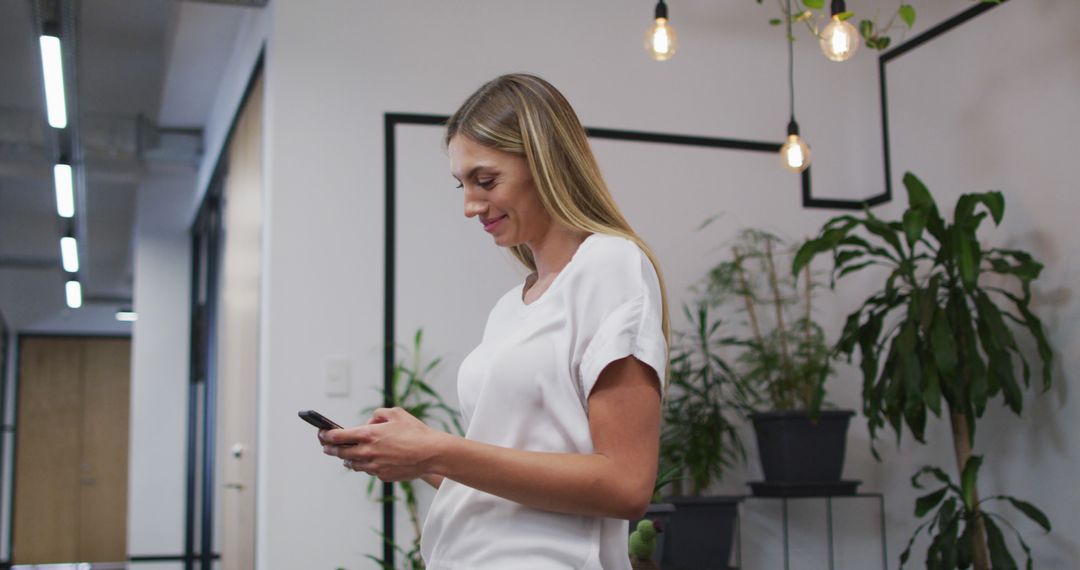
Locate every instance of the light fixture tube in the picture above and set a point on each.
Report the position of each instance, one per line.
(65, 191)
(127, 316)
(74, 294)
(53, 68)
(69, 254)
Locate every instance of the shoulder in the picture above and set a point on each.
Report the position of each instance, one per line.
(618, 257)
(617, 266)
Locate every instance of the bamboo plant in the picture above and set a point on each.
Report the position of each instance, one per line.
(781, 351)
(935, 340)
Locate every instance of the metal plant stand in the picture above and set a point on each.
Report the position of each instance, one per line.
(808, 492)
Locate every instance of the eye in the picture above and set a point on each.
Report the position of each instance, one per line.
(486, 184)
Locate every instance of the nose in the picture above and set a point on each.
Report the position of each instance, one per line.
(474, 207)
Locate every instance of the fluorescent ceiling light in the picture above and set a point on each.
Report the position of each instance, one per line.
(74, 294)
(65, 192)
(127, 316)
(69, 254)
(53, 68)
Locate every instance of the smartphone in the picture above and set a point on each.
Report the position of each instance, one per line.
(318, 420)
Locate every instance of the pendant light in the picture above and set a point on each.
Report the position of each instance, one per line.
(794, 154)
(839, 39)
(660, 40)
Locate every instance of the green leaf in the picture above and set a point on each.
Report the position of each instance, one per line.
(932, 390)
(943, 343)
(845, 16)
(926, 502)
(814, 4)
(775, 22)
(1000, 558)
(918, 195)
(866, 28)
(966, 251)
(882, 230)
(938, 473)
(968, 480)
(1032, 512)
(907, 14)
(914, 224)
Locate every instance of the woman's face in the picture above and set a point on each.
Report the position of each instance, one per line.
(498, 190)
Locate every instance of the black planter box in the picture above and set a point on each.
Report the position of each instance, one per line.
(700, 533)
(795, 450)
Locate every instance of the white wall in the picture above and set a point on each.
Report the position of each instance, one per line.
(160, 365)
(335, 66)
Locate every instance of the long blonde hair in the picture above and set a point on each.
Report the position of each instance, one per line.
(523, 114)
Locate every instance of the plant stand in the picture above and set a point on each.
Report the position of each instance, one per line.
(806, 493)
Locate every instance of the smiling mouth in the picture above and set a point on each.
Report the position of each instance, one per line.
(488, 224)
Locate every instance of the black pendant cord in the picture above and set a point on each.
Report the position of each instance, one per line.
(791, 63)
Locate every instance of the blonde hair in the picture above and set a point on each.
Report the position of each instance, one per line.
(523, 114)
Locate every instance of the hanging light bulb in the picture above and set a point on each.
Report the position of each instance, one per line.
(839, 39)
(795, 154)
(660, 40)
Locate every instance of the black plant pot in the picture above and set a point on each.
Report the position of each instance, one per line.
(700, 533)
(795, 450)
(660, 514)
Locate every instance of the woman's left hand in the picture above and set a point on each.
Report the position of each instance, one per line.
(393, 446)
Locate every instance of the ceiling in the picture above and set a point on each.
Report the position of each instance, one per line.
(158, 59)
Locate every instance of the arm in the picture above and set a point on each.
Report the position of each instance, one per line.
(614, 481)
(432, 479)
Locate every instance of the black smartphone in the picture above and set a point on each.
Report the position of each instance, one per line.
(318, 420)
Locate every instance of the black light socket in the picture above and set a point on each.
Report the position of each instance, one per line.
(793, 127)
(661, 10)
(838, 7)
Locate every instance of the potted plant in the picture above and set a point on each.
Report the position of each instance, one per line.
(411, 392)
(643, 545)
(936, 340)
(699, 440)
(783, 354)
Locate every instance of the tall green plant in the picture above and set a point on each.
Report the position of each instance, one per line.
(411, 391)
(699, 436)
(935, 338)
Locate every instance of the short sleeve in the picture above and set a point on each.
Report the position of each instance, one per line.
(630, 321)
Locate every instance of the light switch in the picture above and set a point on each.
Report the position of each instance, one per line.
(338, 377)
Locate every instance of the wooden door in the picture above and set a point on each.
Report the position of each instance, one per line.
(238, 348)
(71, 450)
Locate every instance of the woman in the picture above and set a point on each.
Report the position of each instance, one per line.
(562, 397)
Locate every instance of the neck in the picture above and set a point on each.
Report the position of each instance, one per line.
(552, 251)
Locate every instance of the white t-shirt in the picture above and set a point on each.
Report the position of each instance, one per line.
(526, 386)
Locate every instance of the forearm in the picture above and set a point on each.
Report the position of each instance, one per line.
(585, 484)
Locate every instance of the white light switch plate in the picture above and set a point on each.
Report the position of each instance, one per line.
(338, 377)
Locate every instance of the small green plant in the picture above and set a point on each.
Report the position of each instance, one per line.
(960, 515)
(876, 33)
(815, 15)
(643, 540)
(411, 392)
(781, 351)
(699, 436)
